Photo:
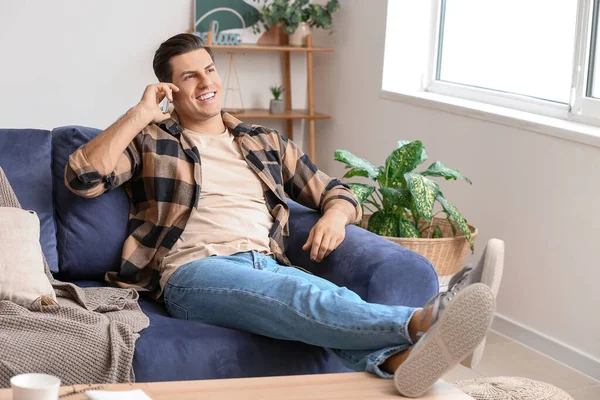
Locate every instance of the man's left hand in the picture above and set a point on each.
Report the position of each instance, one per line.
(327, 234)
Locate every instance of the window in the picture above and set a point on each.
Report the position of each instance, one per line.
(509, 45)
(533, 55)
(587, 99)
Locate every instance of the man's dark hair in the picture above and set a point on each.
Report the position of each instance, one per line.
(174, 46)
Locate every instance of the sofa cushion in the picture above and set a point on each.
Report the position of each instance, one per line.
(26, 159)
(376, 269)
(172, 349)
(90, 232)
(22, 276)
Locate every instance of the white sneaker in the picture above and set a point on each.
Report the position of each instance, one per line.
(489, 272)
(460, 325)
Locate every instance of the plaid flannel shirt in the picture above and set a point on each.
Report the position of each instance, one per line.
(163, 175)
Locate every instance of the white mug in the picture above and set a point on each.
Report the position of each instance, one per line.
(35, 387)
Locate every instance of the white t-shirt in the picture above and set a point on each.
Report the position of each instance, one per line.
(232, 214)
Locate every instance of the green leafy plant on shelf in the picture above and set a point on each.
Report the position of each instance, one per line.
(404, 206)
(276, 91)
(289, 14)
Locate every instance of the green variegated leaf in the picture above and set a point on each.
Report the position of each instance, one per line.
(402, 143)
(424, 192)
(381, 179)
(407, 229)
(395, 200)
(439, 169)
(452, 226)
(437, 233)
(359, 166)
(383, 224)
(361, 191)
(354, 172)
(457, 217)
(401, 161)
(415, 214)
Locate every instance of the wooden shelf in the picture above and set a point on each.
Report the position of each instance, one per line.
(253, 47)
(285, 51)
(264, 113)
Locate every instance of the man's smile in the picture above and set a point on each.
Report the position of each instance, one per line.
(206, 97)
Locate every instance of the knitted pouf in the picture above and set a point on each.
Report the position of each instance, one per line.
(510, 388)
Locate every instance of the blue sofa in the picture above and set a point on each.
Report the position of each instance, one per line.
(82, 239)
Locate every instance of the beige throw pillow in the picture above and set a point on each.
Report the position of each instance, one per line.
(22, 277)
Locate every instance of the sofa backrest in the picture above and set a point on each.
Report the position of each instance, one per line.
(90, 232)
(26, 158)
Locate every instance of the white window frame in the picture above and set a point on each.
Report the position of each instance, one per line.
(580, 108)
(584, 109)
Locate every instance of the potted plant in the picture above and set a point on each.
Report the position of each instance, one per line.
(277, 105)
(403, 205)
(296, 17)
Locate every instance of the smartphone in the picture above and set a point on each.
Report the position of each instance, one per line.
(165, 105)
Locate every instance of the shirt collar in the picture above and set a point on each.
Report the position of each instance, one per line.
(237, 127)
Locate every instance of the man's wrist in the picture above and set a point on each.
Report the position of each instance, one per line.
(340, 213)
(140, 114)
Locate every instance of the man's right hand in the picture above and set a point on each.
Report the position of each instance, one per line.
(152, 97)
(105, 150)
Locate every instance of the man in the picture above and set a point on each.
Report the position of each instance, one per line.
(209, 223)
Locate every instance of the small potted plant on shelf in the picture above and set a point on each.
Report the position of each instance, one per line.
(296, 17)
(403, 206)
(277, 105)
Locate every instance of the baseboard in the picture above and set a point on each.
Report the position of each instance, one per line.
(548, 346)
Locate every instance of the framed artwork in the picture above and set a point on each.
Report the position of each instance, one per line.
(233, 20)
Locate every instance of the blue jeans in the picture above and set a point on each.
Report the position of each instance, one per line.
(251, 292)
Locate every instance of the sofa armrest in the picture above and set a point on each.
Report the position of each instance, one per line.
(378, 270)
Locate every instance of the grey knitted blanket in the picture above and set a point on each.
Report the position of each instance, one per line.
(89, 337)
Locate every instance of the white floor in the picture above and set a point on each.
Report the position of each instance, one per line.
(505, 357)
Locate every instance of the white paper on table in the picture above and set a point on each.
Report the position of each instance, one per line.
(137, 394)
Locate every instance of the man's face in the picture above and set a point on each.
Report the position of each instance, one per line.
(199, 96)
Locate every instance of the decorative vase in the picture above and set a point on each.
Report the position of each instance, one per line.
(277, 107)
(273, 37)
(298, 38)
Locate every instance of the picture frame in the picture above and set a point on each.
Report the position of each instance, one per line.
(232, 21)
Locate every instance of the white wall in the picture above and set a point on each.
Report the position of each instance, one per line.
(537, 193)
(71, 62)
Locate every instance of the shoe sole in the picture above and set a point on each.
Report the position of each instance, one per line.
(491, 277)
(462, 326)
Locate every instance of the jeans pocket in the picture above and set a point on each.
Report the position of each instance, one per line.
(176, 311)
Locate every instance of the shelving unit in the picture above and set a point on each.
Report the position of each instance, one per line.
(265, 114)
(291, 114)
(253, 47)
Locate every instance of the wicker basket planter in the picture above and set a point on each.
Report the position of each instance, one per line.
(447, 254)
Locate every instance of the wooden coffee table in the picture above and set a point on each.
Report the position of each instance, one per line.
(344, 386)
